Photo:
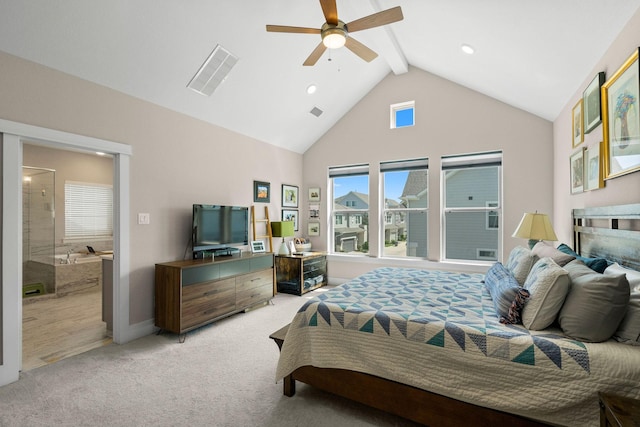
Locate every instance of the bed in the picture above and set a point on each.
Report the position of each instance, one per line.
(429, 345)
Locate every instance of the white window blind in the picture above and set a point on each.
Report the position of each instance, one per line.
(88, 210)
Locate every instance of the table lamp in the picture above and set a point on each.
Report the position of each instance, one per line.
(282, 229)
(535, 227)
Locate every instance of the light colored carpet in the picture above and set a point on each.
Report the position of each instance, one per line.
(222, 375)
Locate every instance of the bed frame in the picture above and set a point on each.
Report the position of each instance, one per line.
(611, 232)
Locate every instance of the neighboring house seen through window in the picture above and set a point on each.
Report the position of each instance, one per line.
(472, 202)
(350, 212)
(404, 233)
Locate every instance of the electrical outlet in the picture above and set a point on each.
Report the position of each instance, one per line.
(143, 218)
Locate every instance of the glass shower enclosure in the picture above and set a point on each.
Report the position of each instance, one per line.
(38, 231)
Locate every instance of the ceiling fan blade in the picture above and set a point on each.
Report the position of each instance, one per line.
(377, 19)
(359, 49)
(288, 29)
(315, 55)
(330, 11)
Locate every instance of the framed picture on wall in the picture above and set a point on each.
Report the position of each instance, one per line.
(591, 103)
(289, 196)
(291, 215)
(314, 229)
(577, 171)
(576, 124)
(261, 192)
(314, 194)
(594, 176)
(621, 119)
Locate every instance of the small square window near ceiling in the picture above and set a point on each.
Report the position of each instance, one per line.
(402, 114)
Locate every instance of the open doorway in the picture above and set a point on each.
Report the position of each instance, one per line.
(67, 251)
(12, 136)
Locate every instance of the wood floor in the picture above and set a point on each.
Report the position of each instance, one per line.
(56, 328)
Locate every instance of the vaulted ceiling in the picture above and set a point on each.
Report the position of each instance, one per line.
(529, 54)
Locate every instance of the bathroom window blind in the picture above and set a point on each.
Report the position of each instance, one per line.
(88, 210)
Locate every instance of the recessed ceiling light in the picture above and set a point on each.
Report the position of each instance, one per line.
(100, 153)
(467, 49)
(311, 89)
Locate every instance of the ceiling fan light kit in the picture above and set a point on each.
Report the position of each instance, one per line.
(334, 32)
(334, 36)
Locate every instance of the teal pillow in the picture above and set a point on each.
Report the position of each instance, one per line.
(596, 264)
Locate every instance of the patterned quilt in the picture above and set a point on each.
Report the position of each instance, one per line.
(439, 331)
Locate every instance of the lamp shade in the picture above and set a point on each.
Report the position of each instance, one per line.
(282, 229)
(535, 226)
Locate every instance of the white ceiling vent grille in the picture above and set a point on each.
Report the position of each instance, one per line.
(213, 71)
(316, 111)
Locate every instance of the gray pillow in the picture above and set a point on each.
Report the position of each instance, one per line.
(542, 250)
(548, 284)
(629, 330)
(595, 305)
(520, 262)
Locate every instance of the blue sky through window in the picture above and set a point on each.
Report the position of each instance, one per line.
(393, 184)
(404, 117)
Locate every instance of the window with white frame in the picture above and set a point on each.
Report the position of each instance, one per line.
(402, 114)
(88, 210)
(492, 216)
(350, 209)
(472, 201)
(405, 196)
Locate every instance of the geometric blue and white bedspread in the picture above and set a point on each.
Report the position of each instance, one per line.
(401, 323)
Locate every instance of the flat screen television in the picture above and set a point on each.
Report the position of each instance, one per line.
(218, 227)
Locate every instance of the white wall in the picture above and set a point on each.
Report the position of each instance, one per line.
(450, 119)
(617, 191)
(176, 161)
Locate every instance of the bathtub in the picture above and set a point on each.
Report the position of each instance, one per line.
(75, 258)
(82, 271)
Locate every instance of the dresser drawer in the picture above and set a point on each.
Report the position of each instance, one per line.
(249, 297)
(254, 280)
(206, 289)
(219, 299)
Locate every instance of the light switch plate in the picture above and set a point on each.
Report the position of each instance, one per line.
(143, 218)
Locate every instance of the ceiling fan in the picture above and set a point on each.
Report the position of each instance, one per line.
(335, 33)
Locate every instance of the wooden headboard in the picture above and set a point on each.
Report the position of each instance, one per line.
(611, 232)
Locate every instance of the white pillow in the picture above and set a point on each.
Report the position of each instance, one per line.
(548, 284)
(633, 276)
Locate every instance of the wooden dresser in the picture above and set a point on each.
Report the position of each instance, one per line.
(192, 293)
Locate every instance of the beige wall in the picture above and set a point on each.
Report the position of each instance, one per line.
(177, 160)
(450, 119)
(617, 191)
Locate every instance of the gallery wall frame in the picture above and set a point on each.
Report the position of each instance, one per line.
(314, 194)
(261, 192)
(591, 103)
(313, 229)
(291, 215)
(577, 171)
(576, 124)
(593, 164)
(289, 196)
(621, 119)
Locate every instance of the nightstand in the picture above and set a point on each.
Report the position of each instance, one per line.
(298, 274)
(618, 411)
